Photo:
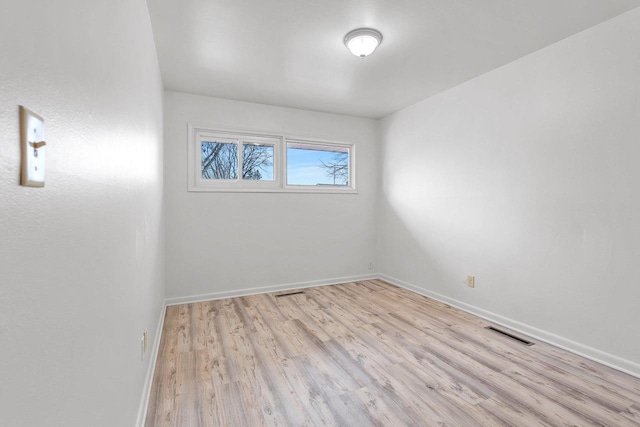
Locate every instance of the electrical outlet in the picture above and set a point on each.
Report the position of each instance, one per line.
(370, 265)
(471, 281)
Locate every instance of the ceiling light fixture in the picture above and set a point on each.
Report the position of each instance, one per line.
(363, 41)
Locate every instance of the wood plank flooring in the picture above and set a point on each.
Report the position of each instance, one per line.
(369, 354)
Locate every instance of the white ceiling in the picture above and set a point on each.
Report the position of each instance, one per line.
(290, 52)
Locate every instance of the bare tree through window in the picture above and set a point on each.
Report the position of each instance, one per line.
(318, 164)
(257, 162)
(337, 169)
(220, 161)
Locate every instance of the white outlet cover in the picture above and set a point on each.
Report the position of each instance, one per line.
(32, 143)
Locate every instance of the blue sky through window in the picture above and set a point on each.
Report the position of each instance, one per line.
(304, 166)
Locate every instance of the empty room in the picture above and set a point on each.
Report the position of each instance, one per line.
(319, 213)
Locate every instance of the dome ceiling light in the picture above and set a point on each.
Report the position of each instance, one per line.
(363, 41)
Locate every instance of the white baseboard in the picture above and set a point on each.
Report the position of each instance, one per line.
(607, 359)
(146, 390)
(266, 289)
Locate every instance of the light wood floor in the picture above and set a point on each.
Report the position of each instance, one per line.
(369, 353)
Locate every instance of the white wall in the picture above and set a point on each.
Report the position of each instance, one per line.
(81, 270)
(219, 242)
(528, 178)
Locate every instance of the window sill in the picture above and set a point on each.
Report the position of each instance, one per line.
(272, 190)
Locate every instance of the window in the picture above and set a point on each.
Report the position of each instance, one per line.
(315, 164)
(221, 160)
(224, 161)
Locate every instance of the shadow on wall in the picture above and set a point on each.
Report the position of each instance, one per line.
(434, 242)
(404, 257)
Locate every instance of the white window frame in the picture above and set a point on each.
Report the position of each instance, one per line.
(198, 133)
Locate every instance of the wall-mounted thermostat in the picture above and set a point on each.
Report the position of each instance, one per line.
(32, 143)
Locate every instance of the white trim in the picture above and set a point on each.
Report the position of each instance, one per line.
(302, 189)
(199, 135)
(148, 382)
(604, 358)
(266, 289)
(196, 131)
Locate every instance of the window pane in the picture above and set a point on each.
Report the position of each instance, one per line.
(219, 160)
(319, 165)
(257, 162)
